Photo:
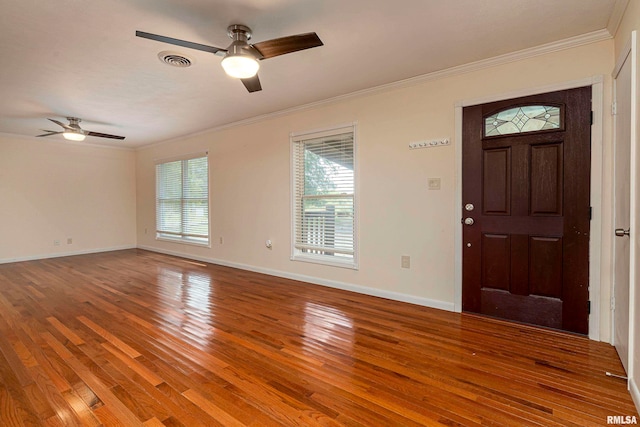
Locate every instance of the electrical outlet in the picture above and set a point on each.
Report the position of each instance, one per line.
(69, 241)
(221, 240)
(405, 261)
(56, 242)
(433, 183)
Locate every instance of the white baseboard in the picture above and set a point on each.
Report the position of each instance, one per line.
(63, 254)
(396, 296)
(635, 393)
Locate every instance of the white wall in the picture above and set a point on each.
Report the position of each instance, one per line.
(52, 190)
(250, 190)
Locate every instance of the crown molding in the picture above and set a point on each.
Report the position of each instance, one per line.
(556, 46)
(617, 13)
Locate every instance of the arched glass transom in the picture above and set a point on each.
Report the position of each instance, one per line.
(529, 118)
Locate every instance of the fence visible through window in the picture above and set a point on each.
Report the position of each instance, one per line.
(324, 199)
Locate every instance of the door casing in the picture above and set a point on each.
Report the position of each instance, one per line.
(595, 243)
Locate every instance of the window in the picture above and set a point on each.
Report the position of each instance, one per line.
(324, 208)
(528, 118)
(182, 200)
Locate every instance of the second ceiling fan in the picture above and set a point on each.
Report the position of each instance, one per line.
(240, 59)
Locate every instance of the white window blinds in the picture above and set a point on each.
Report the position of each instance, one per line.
(182, 200)
(324, 197)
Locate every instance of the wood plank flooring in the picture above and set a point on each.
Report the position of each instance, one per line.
(135, 338)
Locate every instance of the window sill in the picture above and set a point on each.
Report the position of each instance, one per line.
(184, 242)
(323, 260)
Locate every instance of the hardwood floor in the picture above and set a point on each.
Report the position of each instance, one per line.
(136, 338)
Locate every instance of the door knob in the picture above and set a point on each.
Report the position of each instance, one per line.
(468, 221)
(621, 232)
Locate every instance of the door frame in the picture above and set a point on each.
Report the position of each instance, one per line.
(595, 246)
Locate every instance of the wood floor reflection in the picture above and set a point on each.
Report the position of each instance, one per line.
(132, 338)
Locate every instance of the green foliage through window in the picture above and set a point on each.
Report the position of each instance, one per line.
(324, 205)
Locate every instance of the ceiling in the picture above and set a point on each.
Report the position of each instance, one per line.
(81, 57)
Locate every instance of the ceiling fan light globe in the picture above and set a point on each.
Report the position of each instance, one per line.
(74, 136)
(240, 66)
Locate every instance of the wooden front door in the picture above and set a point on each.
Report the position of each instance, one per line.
(525, 196)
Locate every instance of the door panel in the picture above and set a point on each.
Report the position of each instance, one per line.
(545, 312)
(495, 261)
(546, 180)
(519, 264)
(525, 257)
(622, 208)
(496, 182)
(545, 274)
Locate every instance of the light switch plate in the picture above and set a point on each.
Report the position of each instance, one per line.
(433, 183)
(405, 261)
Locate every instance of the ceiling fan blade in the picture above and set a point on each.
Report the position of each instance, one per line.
(289, 44)
(252, 84)
(102, 135)
(178, 42)
(50, 132)
(60, 124)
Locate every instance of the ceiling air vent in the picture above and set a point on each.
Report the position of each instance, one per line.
(175, 59)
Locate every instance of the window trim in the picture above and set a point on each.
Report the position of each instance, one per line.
(296, 254)
(162, 236)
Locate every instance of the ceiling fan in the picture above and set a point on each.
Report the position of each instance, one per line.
(74, 132)
(240, 59)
